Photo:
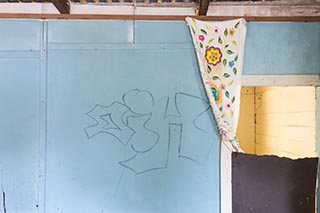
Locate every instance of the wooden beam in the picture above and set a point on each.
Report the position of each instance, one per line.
(203, 7)
(157, 17)
(62, 6)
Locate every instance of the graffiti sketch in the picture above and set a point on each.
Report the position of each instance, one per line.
(142, 125)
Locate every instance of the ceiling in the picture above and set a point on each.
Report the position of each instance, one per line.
(270, 8)
(129, 1)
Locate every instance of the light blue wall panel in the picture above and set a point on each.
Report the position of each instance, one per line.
(271, 47)
(140, 77)
(20, 35)
(162, 32)
(19, 133)
(177, 150)
(282, 48)
(90, 31)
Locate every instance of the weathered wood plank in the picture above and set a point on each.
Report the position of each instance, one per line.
(284, 145)
(302, 134)
(285, 99)
(303, 119)
(265, 150)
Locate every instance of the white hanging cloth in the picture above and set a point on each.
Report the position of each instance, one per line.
(220, 49)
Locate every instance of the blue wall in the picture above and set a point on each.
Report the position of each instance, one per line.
(61, 81)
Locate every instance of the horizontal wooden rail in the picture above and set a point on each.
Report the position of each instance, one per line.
(158, 17)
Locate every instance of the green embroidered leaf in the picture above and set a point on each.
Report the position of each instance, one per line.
(208, 27)
(209, 69)
(193, 20)
(226, 46)
(231, 112)
(207, 47)
(220, 40)
(224, 62)
(229, 52)
(230, 83)
(226, 75)
(215, 78)
(227, 94)
(218, 70)
(210, 41)
(203, 31)
(236, 58)
(234, 43)
(193, 31)
(201, 45)
(221, 109)
(237, 25)
(233, 99)
(234, 70)
(226, 32)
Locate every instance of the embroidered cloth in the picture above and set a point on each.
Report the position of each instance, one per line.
(220, 49)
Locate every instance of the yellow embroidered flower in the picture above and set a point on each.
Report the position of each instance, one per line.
(213, 55)
(231, 31)
(217, 93)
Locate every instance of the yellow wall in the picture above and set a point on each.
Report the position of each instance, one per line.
(284, 122)
(246, 128)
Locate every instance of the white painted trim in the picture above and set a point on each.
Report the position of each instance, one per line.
(318, 119)
(225, 178)
(280, 80)
(317, 138)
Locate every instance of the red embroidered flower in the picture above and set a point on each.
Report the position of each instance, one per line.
(222, 86)
(215, 29)
(201, 38)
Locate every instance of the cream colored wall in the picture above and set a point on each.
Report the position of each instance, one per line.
(285, 121)
(278, 121)
(246, 125)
